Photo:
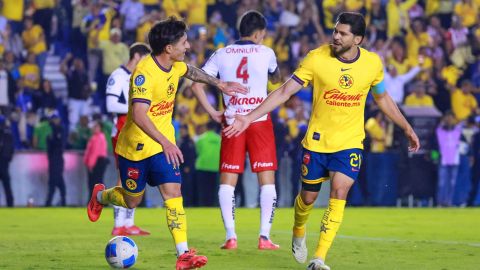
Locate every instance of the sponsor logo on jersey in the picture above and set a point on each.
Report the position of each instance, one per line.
(162, 108)
(242, 50)
(133, 173)
(139, 91)
(335, 97)
(131, 184)
(345, 81)
(306, 158)
(230, 166)
(139, 80)
(262, 164)
(245, 100)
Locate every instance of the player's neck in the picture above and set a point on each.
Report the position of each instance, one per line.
(164, 61)
(246, 39)
(130, 66)
(350, 55)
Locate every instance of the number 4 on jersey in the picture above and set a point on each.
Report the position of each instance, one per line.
(242, 70)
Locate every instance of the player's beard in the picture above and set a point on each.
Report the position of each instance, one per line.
(338, 50)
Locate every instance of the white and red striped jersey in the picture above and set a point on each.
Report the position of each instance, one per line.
(117, 92)
(247, 63)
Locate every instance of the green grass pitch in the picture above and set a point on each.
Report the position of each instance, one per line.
(369, 238)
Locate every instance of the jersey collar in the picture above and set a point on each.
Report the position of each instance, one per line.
(244, 42)
(125, 69)
(160, 66)
(349, 61)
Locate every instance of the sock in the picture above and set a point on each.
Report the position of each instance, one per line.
(330, 223)
(112, 195)
(268, 202)
(129, 217)
(177, 223)
(226, 196)
(302, 211)
(119, 216)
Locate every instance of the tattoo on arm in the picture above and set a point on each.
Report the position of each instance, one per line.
(198, 75)
(275, 77)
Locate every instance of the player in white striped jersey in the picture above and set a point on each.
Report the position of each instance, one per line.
(117, 103)
(250, 63)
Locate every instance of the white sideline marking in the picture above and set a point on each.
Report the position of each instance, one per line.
(383, 239)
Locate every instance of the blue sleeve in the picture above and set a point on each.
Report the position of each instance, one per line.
(379, 88)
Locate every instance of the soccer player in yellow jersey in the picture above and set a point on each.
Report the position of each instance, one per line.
(342, 74)
(146, 147)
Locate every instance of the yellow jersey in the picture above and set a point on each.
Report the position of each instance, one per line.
(156, 86)
(416, 101)
(340, 89)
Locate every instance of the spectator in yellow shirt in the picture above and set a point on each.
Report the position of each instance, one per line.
(33, 39)
(467, 11)
(30, 77)
(376, 130)
(43, 16)
(397, 15)
(464, 103)
(419, 96)
(13, 11)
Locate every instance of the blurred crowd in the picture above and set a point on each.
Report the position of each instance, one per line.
(430, 49)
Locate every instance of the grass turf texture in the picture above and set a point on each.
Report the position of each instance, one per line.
(369, 238)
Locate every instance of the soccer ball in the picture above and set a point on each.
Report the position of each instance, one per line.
(121, 252)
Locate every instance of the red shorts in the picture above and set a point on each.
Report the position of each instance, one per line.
(258, 140)
(121, 119)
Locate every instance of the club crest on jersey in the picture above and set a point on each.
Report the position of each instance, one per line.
(306, 158)
(304, 170)
(345, 81)
(170, 90)
(133, 173)
(131, 184)
(139, 80)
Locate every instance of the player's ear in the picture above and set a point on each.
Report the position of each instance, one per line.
(169, 48)
(357, 40)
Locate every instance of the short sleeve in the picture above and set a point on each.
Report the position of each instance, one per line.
(378, 85)
(272, 63)
(141, 85)
(181, 67)
(114, 86)
(304, 73)
(211, 66)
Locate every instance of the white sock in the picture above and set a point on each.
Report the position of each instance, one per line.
(181, 248)
(119, 216)
(226, 196)
(268, 202)
(129, 217)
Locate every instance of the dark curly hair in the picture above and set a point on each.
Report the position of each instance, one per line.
(165, 33)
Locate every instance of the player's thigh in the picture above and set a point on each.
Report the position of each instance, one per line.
(133, 175)
(313, 170)
(161, 173)
(260, 142)
(232, 154)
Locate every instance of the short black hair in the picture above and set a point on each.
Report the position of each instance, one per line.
(355, 20)
(250, 22)
(165, 33)
(140, 48)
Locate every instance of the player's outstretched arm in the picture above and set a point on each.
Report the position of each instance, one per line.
(198, 90)
(172, 152)
(230, 88)
(277, 97)
(390, 109)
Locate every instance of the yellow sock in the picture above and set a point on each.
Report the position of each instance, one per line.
(330, 223)
(302, 211)
(114, 196)
(176, 219)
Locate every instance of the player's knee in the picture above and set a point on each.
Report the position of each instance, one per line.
(339, 193)
(131, 204)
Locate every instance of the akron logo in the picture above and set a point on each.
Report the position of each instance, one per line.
(170, 90)
(131, 184)
(139, 80)
(345, 81)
